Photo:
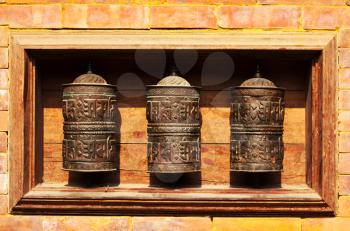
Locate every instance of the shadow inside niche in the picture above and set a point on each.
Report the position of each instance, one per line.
(176, 180)
(93, 179)
(255, 179)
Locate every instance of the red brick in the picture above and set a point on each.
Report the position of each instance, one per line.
(4, 58)
(3, 78)
(231, 2)
(320, 18)
(117, 16)
(344, 99)
(326, 224)
(85, 223)
(3, 183)
(21, 223)
(4, 120)
(344, 206)
(182, 17)
(171, 223)
(3, 205)
(344, 163)
(344, 142)
(3, 163)
(344, 185)
(259, 16)
(326, 18)
(31, 16)
(3, 100)
(344, 57)
(252, 224)
(344, 78)
(305, 2)
(344, 38)
(4, 36)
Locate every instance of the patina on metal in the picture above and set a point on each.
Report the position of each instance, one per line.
(257, 114)
(89, 111)
(173, 126)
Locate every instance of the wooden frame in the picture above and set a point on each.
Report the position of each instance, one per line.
(28, 196)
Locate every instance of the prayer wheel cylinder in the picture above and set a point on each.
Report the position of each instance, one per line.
(89, 111)
(257, 115)
(173, 126)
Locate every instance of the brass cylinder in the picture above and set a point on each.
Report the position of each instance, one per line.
(173, 126)
(89, 111)
(257, 115)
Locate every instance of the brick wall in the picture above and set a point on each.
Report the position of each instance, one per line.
(214, 15)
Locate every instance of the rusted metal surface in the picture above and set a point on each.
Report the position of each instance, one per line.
(173, 126)
(257, 114)
(89, 111)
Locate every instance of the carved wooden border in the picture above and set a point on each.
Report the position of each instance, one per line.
(27, 196)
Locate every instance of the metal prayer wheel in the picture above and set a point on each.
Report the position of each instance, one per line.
(89, 111)
(173, 126)
(257, 114)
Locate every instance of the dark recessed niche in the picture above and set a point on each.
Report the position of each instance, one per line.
(214, 71)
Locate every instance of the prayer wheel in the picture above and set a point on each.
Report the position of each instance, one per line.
(257, 114)
(89, 111)
(173, 126)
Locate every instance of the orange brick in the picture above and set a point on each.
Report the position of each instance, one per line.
(344, 121)
(252, 224)
(3, 78)
(4, 41)
(3, 205)
(75, 16)
(4, 58)
(171, 223)
(326, 224)
(344, 99)
(344, 185)
(85, 223)
(344, 57)
(3, 100)
(3, 163)
(320, 18)
(31, 16)
(344, 142)
(72, 1)
(305, 2)
(259, 16)
(344, 163)
(4, 120)
(231, 2)
(3, 142)
(117, 16)
(21, 223)
(344, 78)
(344, 38)
(182, 17)
(326, 18)
(344, 206)
(3, 183)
